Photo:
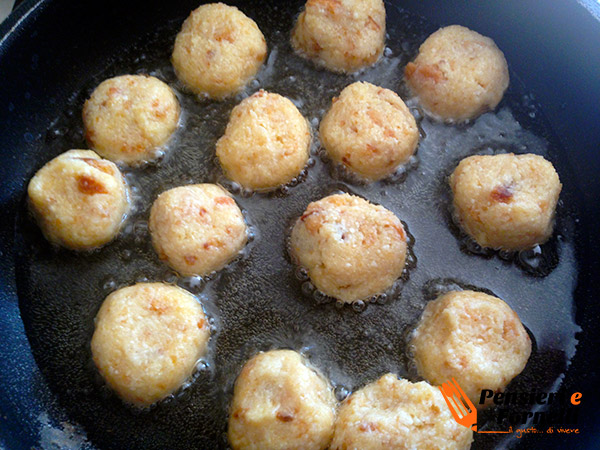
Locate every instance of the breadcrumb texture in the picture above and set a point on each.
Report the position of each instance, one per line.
(472, 337)
(79, 200)
(266, 143)
(218, 50)
(458, 73)
(369, 130)
(197, 229)
(128, 118)
(397, 414)
(148, 339)
(342, 35)
(506, 201)
(351, 248)
(281, 404)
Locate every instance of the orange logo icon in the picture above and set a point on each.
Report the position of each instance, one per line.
(462, 409)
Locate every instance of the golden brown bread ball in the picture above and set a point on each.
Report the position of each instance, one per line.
(218, 50)
(506, 201)
(393, 414)
(351, 248)
(280, 403)
(128, 118)
(266, 143)
(197, 229)
(369, 130)
(472, 337)
(458, 73)
(148, 339)
(342, 35)
(79, 200)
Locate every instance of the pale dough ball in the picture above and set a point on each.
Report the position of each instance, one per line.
(342, 35)
(473, 337)
(197, 229)
(351, 248)
(506, 201)
(148, 339)
(458, 73)
(397, 414)
(128, 118)
(280, 404)
(266, 143)
(79, 200)
(218, 50)
(369, 130)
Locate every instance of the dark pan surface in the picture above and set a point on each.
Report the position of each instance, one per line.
(257, 302)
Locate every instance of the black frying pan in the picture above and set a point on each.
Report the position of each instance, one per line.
(52, 54)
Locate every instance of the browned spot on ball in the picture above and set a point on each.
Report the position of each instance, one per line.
(388, 132)
(502, 193)
(368, 426)
(316, 47)
(90, 186)
(99, 164)
(284, 416)
(225, 35)
(157, 306)
(372, 149)
(410, 69)
(372, 24)
(432, 72)
(239, 413)
(224, 201)
(190, 259)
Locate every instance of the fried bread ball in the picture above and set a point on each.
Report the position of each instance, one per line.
(79, 200)
(506, 201)
(458, 73)
(351, 248)
(342, 35)
(280, 403)
(472, 337)
(397, 414)
(369, 130)
(197, 229)
(148, 339)
(266, 143)
(218, 50)
(128, 118)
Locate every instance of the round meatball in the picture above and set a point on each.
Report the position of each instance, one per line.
(148, 339)
(342, 35)
(128, 118)
(397, 414)
(197, 229)
(79, 200)
(506, 201)
(369, 130)
(351, 248)
(218, 50)
(458, 73)
(280, 403)
(472, 337)
(266, 143)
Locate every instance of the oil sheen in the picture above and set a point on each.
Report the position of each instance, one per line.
(261, 301)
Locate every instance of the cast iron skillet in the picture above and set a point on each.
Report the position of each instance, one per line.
(48, 50)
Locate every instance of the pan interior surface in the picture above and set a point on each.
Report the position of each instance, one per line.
(257, 302)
